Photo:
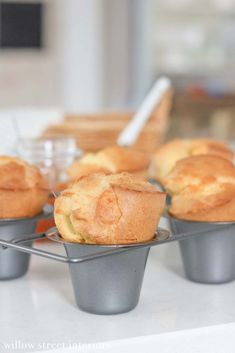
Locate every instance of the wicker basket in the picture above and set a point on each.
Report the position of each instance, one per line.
(97, 131)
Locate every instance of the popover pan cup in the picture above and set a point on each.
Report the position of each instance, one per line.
(111, 284)
(13, 263)
(209, 256)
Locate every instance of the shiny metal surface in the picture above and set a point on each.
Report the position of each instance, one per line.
(209, 255)
(107, 285)
(161, 236)
(111, 284)
(103, 284)
(13, 263)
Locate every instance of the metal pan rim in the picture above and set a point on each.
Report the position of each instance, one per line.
(160, 235)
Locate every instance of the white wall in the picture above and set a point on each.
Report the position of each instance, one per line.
(94, 58)
(83, 50)
(127, 75)
(68, 71)
(31, 77)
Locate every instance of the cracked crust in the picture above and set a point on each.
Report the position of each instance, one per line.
(109, 209)
(23, 190)
(202, 188)
(167, 155)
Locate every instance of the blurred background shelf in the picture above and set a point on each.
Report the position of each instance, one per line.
(104, 55)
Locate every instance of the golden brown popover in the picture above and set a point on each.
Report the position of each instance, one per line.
(168, 154)
(202, 188)
(23, 190)
(111, 160)
(109, 209)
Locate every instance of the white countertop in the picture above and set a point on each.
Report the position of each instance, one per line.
(39, 310)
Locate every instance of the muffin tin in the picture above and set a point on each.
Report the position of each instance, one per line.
(14, 264)
(103, 284)
(108, 279)
(208, 257)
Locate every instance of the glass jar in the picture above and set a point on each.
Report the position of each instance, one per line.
(52, 155)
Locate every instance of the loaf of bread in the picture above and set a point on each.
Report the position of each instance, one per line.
(111, 160)
(202, 188)
(168, 154)
(109, 209)
(23, 190)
